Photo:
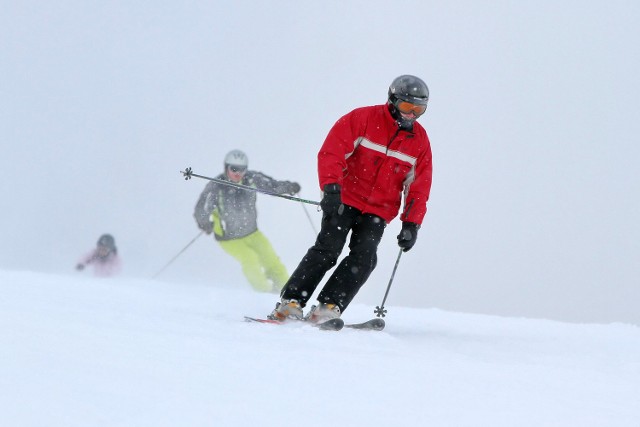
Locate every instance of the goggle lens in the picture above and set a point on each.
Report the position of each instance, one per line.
(237, 169)
(407, 107)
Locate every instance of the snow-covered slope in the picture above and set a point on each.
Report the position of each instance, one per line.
(79, 351)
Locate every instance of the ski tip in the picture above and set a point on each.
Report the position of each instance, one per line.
(370, 325)
(255, 319)
(378, 324)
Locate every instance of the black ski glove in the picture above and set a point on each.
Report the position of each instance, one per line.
(331, 202)
(408, 236)
(294, 188)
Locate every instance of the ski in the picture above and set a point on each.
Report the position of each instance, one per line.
(329, 325)
(255, 319)
(370, 325)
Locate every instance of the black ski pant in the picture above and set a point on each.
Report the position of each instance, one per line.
(355, 268)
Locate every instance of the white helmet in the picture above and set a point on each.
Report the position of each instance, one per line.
(236, 158)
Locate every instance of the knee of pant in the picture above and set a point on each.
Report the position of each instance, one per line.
(365, 258)
(323, 256)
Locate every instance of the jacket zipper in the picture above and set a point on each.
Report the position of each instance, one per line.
(391, 140)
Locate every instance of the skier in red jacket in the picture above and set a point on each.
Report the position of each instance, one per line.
(373, 159)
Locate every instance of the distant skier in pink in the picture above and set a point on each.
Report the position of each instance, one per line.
(104, 258)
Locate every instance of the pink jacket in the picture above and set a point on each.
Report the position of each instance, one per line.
(102, 267)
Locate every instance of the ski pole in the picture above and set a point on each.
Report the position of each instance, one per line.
(310, 220)
(380, 311)
(188, 173)
(177, 255)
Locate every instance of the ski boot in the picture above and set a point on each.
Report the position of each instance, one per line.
(323, 312)
(286, 309)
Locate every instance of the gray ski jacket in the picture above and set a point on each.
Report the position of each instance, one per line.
(230, 212)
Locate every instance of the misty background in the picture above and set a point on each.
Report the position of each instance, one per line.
(533, 120)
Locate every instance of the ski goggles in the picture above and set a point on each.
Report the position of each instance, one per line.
(237, 169)
(407, 107)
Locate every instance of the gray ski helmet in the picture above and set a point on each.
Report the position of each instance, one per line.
(409, 88)
(107, 241)
(236, 158)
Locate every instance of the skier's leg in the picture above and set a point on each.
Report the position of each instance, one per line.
(355, 268)
(321, 257)
(249, 261)
(273, 268)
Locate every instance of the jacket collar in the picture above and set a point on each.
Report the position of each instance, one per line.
(397, 123)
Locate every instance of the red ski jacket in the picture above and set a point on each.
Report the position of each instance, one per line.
(377, 164)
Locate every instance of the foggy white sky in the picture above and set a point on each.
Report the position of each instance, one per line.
(533, 120)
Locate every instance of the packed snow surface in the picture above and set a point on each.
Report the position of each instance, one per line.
(80, 351)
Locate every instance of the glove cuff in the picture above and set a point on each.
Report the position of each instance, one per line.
(332, 188)
(412, 225)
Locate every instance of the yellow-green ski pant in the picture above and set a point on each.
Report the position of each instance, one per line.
(260, 263)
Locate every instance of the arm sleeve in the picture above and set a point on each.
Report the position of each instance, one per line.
(266, 183)
(417, 190)
(205, 205)
(340, 143)
(88, 258)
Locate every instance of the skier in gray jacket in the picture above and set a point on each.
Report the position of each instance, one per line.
(230, 214)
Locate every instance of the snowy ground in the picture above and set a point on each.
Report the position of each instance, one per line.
(78, 351)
